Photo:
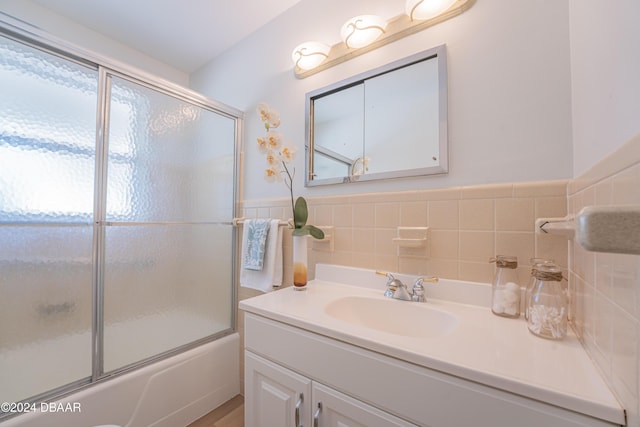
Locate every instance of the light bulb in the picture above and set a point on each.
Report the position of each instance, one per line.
(309, 55)
(426, 9)
(362, 30)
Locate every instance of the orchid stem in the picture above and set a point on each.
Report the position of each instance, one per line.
(290, 185)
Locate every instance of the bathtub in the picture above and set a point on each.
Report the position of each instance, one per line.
(170, 393)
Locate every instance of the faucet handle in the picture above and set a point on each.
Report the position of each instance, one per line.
(418, 292)
(418, 288)
(392, 283)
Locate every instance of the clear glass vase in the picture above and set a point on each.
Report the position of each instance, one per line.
(300, 262)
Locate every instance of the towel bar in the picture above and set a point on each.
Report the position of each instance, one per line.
(237, 221)
(611, 229)
(565, 226)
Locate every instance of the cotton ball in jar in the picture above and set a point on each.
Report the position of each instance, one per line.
(498, 302)
(506, 300)
(512, 297)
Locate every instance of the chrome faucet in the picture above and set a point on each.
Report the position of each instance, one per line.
(398, 290)
(392, 284)
(402, 293)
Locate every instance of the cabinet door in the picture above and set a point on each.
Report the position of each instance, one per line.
(275, 396)
(334, 409)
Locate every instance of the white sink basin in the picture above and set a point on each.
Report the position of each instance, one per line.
(403, 318)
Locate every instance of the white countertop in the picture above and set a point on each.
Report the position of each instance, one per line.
(484, 348)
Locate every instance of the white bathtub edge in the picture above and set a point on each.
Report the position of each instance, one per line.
(170, 392)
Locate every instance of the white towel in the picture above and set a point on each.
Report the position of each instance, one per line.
(271, 274)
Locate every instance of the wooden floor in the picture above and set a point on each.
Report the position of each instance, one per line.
(230, 414)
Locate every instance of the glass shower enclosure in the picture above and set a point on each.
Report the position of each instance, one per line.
(117, 195)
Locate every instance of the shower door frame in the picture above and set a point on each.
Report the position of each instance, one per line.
(24, 33)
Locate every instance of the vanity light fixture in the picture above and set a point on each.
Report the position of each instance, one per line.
(426, 9)
(382, 32)
(362, 30)
(309, 55)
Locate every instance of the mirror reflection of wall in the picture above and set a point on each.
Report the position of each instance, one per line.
(401, 126)
(339, 132)
(386, 123)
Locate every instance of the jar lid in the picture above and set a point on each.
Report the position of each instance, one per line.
(536, 262)
(548, 273)
(505, 261)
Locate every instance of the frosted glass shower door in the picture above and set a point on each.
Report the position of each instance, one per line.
(47, 162)
(168, 238)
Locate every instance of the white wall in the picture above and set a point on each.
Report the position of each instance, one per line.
(88, 39)
(509, 88)
(605, 70)
(605, 62)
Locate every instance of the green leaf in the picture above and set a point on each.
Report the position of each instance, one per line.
(309, 230)
(300, 213)
(315, 232)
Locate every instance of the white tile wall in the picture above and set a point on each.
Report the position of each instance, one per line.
(468, 225)
(606, 287)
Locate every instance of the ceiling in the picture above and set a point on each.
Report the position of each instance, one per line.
(183, 34)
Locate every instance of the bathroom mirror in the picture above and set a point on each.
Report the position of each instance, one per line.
(389, 122)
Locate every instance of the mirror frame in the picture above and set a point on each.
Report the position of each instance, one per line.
(440, 169)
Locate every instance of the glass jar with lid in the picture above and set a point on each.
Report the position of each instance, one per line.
(547, 305)
(535, 262)
(505, 291)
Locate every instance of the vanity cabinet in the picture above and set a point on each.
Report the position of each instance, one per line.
(360, 386)
(277, 396)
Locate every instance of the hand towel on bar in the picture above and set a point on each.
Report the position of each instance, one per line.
(253, 246)
(271, 274)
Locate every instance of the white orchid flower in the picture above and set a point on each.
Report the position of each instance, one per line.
(262, 144)
(274, 140)
(268, 116)
(273, 159)
(273, 174)
(288, 153)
